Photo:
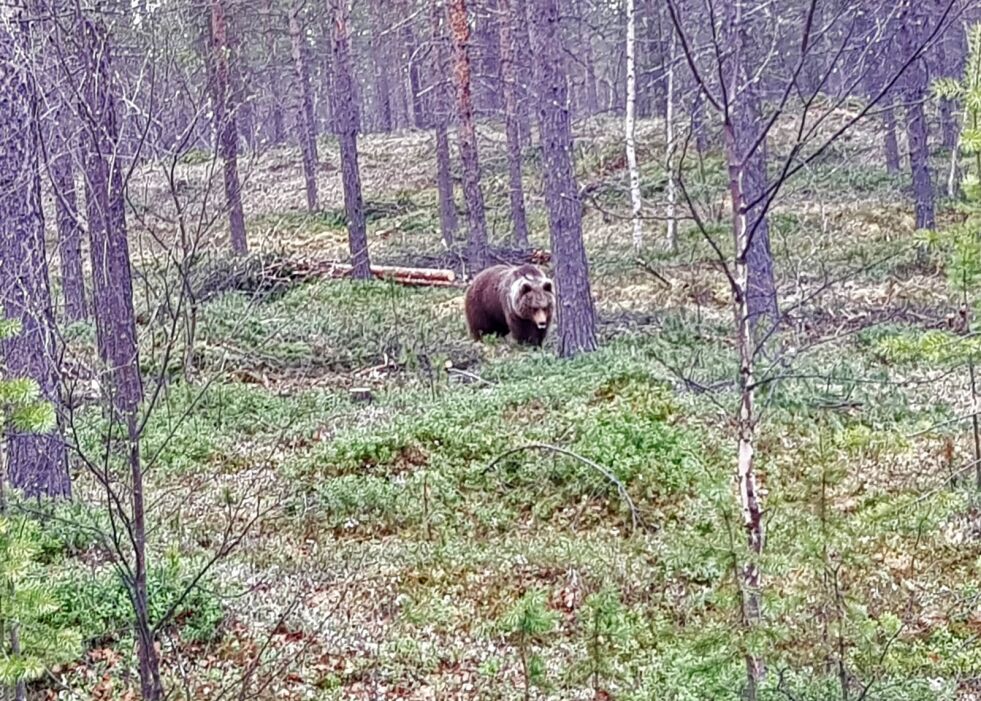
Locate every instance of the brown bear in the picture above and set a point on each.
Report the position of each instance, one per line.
(503, 299)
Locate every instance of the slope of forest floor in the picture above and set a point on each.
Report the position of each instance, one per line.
(456, 536)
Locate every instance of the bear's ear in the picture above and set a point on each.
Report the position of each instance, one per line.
(547, 286)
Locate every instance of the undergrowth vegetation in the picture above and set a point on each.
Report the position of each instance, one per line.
(492, 520)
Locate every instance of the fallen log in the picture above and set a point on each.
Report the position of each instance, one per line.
(422, 277)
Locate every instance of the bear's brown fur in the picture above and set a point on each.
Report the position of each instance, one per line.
(506, 299)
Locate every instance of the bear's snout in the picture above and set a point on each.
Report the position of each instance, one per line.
(541, 319)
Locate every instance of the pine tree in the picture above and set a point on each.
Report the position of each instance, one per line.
(21, 403)
(28, 643)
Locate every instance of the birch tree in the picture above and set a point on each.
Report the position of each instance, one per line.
(669, 140)
(630, 125)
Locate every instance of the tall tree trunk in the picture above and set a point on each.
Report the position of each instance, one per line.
(442, 103)
(890, 143)
(398, 62)
(226, 130)
(488, 52)
(875, 76)
(591, 95)
(36, 464)
(751, 151)
(919, 157)
(651, 89)
(70, 232)
(698, 123)
(577, 313)
(113, 294)
(59, 144)
(409, 44)
(325, 88)
(346, 127)
(914, 94)
(951, 55)
(306, 124)
(108, 241)
(669, 140)
(243, 102)
(270, 33)
(467, 137)
(618, 96)
(383, 90)
(523, 59)
(512, 126)
(762, 290)
(630, 124)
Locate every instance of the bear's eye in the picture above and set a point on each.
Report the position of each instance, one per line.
(547, 286)
(525, 288)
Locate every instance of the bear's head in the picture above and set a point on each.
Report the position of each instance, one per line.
(533, 299)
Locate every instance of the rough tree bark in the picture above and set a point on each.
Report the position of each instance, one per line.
(225, 124)
(914, 94)
(477, 252)
(36, 464)
(576, 313)
(112, 286)
(114, 315)
(442, 102)
(70, 234)
(630, 121)
(305, 119)
(509, 74)
(59, 150)
(346, 127)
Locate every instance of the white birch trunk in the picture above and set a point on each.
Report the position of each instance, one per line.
(670, 147)
(749, 497)
(630, 122)
(953, 175)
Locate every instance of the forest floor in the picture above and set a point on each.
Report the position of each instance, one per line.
(406, 548)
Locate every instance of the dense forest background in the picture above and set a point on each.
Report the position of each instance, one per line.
(250, 451)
